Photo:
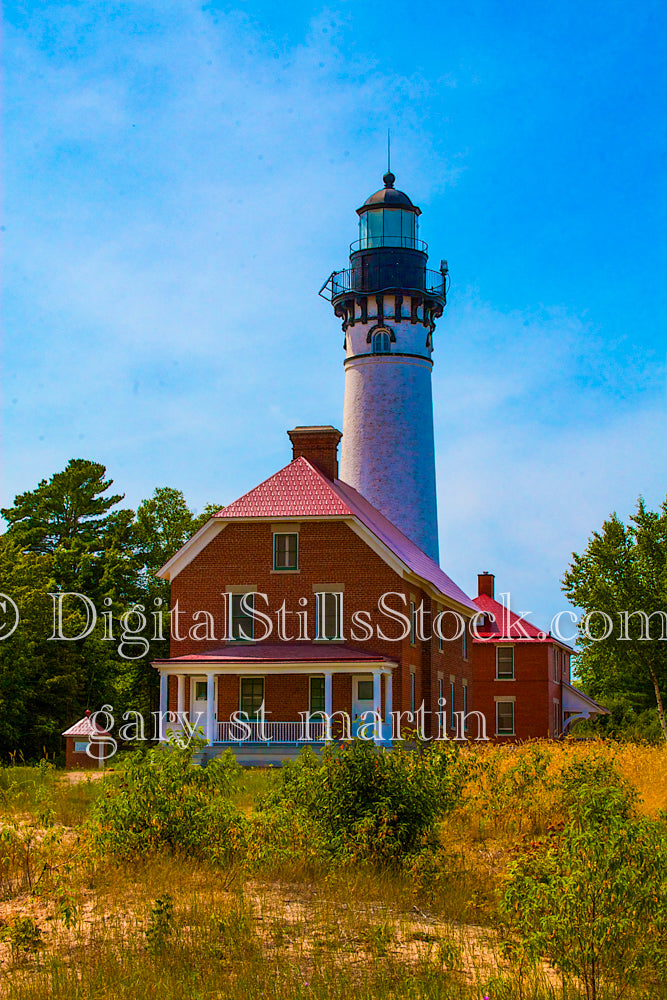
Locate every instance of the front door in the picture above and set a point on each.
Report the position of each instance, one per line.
(362, 701)
(198, 700)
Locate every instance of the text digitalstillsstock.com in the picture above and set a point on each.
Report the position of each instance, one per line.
(396, 619)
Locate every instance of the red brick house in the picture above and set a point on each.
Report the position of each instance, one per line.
(521, 674)
(312, 556)
(78, 752)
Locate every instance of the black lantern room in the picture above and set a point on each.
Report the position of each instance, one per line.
(389, 258)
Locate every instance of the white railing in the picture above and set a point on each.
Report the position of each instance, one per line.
(273, 732)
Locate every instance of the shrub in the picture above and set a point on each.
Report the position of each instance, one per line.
(593, 899)
(594, 792)
(161, 801)
(364, 802)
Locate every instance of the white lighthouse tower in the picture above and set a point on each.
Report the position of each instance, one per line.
(388, 303)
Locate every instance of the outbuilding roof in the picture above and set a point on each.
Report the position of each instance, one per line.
(84, 727)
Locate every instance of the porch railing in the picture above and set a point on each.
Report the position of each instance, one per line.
(273, 732)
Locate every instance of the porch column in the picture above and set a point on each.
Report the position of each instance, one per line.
(181, 695)
(210, 696)
(377, 692)
(328, 694)
(164, 698)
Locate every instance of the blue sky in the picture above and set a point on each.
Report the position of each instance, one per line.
(180, 179)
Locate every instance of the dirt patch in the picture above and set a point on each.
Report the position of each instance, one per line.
(75, 777)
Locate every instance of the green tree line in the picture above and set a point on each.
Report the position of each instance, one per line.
(620, 581)
(71, 535)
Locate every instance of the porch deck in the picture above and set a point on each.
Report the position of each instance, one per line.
(256, 754)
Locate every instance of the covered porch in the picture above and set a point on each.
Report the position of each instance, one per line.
(577, 705)
(288, 695)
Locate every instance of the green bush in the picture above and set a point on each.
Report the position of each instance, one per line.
(592, 897)
(161, 801)
(592, 791)
(363, 802)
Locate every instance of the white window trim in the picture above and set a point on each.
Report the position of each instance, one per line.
(511, 699)
(311, 678)
(506, 645)
(287, 569)
(319, 600)
(234, 590)
(248, 677)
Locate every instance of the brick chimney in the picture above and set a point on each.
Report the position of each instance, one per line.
(319, 445)
(485, 583)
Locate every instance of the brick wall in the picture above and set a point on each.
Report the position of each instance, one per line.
(533, 688)
(329, 552)
(78, 759)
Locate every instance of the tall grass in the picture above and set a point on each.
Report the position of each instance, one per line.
(296, 926)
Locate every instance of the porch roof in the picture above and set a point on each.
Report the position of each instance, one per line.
(575, 700)
(280, 652)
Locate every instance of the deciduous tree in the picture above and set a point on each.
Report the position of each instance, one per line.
(620, 581)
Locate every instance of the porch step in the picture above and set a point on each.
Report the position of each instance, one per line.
(256, 755)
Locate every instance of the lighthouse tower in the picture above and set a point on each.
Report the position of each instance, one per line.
(388, 302)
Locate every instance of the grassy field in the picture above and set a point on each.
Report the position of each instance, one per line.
(278, 918)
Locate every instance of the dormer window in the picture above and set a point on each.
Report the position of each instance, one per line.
(381, 342)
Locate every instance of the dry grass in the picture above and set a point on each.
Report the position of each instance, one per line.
(428, 932)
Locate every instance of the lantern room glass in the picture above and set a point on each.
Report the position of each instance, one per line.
(387, 227)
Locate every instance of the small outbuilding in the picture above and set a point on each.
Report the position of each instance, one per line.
(78, 739)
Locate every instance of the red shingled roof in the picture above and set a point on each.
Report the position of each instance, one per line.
(301, 490)
(507, 625)
(84, 727)
(298, 490)
(281, 652)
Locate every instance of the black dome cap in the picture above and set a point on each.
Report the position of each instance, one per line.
(389, 196)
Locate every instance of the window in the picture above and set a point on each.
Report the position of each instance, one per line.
(556, 718)
(81, 746)
(413, 615)
(465, 639)
(388, 227)
(381, 342)
(441, 708)
(504, 663)
(465, 704)
(452, 697)
(286, 551)
(364, 690)
(316, 695)
(252, 695)
(413, 685)
(242, 624)
(201, 691)
(505, 718)
(329, 616)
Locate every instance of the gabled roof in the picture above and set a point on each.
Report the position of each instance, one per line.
(509, 626)
(301, 490)
(298, 490)
(84, 727)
